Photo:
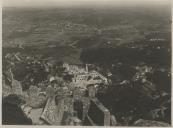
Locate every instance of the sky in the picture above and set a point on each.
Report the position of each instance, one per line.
(23, 3)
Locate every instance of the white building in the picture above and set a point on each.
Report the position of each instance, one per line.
(83, 77)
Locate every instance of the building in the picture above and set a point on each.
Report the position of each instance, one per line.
(83, 77)
(74, 69)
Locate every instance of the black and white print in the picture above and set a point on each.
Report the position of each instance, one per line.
(86, 62)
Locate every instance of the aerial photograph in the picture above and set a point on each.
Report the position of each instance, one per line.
(86, 62)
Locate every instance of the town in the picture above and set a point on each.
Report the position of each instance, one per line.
(87, 65)
(57, 98)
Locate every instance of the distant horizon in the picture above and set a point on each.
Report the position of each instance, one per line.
(85, 3)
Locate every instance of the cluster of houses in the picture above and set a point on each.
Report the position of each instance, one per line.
(83, 76)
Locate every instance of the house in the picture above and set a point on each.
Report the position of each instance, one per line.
(83, 77)
(74, 69)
